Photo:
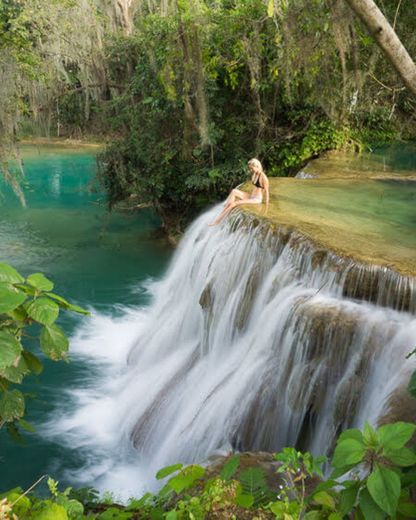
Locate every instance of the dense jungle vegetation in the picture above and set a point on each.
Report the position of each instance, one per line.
(184, 92)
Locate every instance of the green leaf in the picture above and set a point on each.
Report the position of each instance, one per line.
(27, 289)
(323, 486)
(134, 504)
(78, 309)
(74, 508)
(394, 436)
(352, 433)
(8, 274)
(27, 426)
(48, 510)
(369, 508)
(164, 472)
(186, 478)
(10, 349)
(401, 457)
(53, 342)
(313, 515)
(412, 385)
(278, 508)
(270, 9)
(114, 513)
(324, 499)
(40, 282)
(384, 487)
(58, 298)
(252, 478)
(22, 505)
(15, 491)
(18, 315)
(172, 515)
(347, 452)
(43, 310)
(10, 297)
(370, 436)
(244, 500)
(230, 467)
(12, 405)
(348, 496)
(15, 373)
(33, 362)
(317, 465)
(69, 306)
(335, 516)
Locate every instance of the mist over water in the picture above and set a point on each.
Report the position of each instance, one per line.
(248, 343)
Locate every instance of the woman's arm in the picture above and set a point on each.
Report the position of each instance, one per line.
(266, 188)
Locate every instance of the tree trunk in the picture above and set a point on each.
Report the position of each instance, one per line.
(387, 40)
(125, 15)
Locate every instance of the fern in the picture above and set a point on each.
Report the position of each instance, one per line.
(253, 482)
(230, 467)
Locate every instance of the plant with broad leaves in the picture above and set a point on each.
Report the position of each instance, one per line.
(25, 303)
(384, 467)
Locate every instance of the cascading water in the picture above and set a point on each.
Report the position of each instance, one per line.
(255, 339)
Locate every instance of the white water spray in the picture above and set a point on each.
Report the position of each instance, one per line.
(249, 343)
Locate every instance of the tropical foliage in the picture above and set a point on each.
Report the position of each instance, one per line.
(28, 313)
(381, 467)
(207, 85)
(188, 90)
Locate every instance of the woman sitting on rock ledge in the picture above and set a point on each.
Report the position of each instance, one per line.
(238, 197)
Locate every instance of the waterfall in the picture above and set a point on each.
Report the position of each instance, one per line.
(255, 339)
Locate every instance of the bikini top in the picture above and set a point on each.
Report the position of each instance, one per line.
(257, 183)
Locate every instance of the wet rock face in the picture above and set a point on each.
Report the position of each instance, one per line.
(401, 407)
(206, 299)
(246, 303)
(371, 283)
(381, 286)
(318, 258)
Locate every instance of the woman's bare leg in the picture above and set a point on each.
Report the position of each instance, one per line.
(230, 200)
(230, 207)
(236, 194)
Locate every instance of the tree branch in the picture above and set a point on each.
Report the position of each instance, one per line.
(387, 39)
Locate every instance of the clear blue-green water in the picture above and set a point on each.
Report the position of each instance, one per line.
(98, 260)
(400, 156)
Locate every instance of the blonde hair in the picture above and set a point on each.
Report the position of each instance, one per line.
(256, 163)
(257, 170)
